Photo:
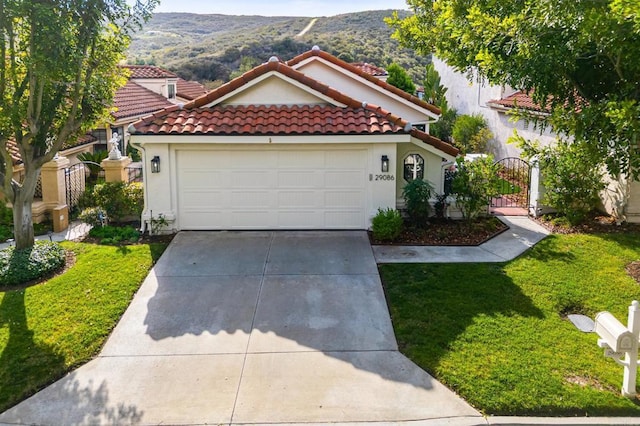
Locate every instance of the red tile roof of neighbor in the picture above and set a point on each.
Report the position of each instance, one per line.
(12, 147)
(349, 67)
(355, 118)
(370, 69)
(190, 89)
(133, 100)
(520, 100)
(148, 71)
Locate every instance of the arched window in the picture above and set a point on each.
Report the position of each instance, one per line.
(413, 167)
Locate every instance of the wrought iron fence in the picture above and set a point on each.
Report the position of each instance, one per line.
(75, 178)
(134, 172)
(515, 177)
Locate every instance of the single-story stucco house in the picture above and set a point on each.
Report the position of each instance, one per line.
(313, 143)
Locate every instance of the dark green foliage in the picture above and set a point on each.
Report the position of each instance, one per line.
(399, 78)
(92, 161)
(474, 184)
(470, 133)
(387, 224)
(417, 194)
(115, 234)
(21, 266)
(119, 199)
(443, 128)
(572, 178)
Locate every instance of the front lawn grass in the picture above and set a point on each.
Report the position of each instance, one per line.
(497, 334)
(52, 327)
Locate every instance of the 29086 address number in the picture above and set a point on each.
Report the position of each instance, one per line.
(385, 177)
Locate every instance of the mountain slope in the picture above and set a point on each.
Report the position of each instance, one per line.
(218, 47)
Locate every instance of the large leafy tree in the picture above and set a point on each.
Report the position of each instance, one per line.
(58, 74)
(579, 58)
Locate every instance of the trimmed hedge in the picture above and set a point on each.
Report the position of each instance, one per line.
(115, 234)
(22, 266)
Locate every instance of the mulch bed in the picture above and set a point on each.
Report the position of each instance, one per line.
(447, 232)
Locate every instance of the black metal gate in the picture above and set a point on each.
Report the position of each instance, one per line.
(515, 176)
(76, 179)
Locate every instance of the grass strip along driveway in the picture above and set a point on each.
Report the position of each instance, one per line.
(497, 334)
(50, 328)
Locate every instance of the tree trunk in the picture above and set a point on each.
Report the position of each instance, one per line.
(22, 202)
(23, 219)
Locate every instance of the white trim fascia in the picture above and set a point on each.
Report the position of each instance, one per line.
(77, 149)
(432, 149)
(369, 84)
(269, 140)
(281, 76)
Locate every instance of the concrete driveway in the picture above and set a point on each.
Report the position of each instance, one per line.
(253, 328)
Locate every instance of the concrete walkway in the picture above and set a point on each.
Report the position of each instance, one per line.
(523, 233)
(252, 328)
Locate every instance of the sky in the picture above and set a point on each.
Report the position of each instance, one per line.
(278, 7)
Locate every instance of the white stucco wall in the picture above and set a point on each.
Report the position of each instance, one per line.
(471, 97)
(274, 91)
(364, 91)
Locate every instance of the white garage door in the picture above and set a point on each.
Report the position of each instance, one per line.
(272, 189)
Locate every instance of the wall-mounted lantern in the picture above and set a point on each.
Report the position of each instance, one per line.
(385, 164)
(155, 164)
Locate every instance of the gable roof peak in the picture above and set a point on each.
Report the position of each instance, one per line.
(360, 73)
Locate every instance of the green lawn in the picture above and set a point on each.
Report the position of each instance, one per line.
(495, 333)
(507, 188)
(50, 328)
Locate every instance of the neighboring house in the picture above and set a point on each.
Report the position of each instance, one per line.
(476, 96)
(313, 143)
(371, 69)
(149, 89)
(494, 103)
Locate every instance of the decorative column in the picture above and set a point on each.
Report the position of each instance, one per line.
(54, 191)
(116, 170)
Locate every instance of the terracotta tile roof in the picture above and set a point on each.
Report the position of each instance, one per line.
(282, 120)
(133, 100)
(520, 100)
(12, 147)
(190, 89)
(148, 71)
(370, 69)
(383, 84)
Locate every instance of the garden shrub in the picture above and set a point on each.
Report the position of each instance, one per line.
(470, 133)
(387, 224)
(417, 194)
(21, 266)
(94, 216)
(474, 184)
(115, 234)
(119, 199)
(572, 175)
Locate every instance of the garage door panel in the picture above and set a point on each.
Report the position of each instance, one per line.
(298, 199)
(300, 160)
(252, 179)
(251, 199)
(343, 219)
(343, 159)
(272, 189)
(343, 200)
(300, 179)
(344, 179)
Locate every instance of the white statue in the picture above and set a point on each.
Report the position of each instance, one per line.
(115, 154)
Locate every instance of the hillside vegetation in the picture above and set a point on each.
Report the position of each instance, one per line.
(215, 48)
